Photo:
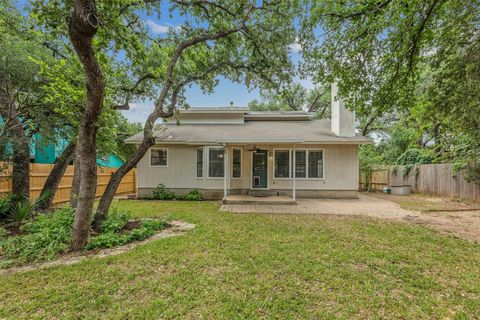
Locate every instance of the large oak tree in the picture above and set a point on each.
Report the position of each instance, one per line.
(240, 40)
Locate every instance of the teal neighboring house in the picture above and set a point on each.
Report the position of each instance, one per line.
(42, 152)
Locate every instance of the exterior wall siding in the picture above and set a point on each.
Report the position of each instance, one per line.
(340, 172)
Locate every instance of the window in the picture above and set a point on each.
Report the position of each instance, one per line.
(308, 164)
(199, 162)
(300, 164)
(237, 163)
(315, 164)
(158, 157)
(216, 164)
(282, 163)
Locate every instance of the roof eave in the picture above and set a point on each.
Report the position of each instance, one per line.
(298, 141)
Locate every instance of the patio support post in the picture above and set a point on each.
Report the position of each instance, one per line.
(225, 170)
(294, 175)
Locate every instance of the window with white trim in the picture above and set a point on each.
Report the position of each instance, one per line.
(315, 164)
(282, 163)
(216, 163)
(309, 164)
(236, 163)
(158, 157)
(199, 173)
(300, 163)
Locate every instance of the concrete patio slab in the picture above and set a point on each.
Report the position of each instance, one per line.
(243, 199)
(364, 206)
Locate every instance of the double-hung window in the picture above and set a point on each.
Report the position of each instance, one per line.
(216, 162)
(237, 163)
(300, 163)
(315, 164)
(199, 173)
(309, 164)
(282, 163)
(158, 157)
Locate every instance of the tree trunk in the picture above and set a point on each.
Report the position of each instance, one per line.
(75, 183)
(115, 180)
(3, 145)
(82, 27)
(15, 132)
(53, 180)
(21, 163)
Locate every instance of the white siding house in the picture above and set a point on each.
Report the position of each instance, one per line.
(225, 151)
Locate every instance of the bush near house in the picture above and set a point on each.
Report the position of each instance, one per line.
(162, 193)
(194, 195)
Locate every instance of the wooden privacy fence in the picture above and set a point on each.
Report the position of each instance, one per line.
(40, 172)
(439, 179)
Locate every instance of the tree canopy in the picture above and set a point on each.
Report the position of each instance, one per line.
(402, 63)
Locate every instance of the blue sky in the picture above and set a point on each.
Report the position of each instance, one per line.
(225, 93)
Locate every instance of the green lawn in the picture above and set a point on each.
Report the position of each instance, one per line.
(260, 266)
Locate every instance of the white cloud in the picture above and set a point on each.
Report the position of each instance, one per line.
(138, 111)
(160, 28)
(295, 47)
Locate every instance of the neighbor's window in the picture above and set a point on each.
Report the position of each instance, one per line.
(315, 164)
(282, 162)
(216, 164)
(300, 164)
(237, 163)
(199, 162)
(158, 157)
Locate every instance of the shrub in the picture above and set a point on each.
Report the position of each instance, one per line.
(21, 211)
(43, 238)
(194, 195)
(154, 224)
(7, 205)
(162, 193)
(111, 239)
(17, 208)
(107, 240)
(115, 221)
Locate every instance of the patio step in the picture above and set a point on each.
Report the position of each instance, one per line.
(262, 200)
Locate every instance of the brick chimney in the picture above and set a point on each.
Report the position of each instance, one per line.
(343, 120)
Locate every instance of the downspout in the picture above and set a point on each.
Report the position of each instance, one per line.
(225, 170)
(294, 174)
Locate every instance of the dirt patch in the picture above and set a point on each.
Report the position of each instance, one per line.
(453, 216)
(463, 224)
(130, 225)
(13, 230)
(177, 228)
(429, 203)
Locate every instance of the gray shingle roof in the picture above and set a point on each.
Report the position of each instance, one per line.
(313, 131)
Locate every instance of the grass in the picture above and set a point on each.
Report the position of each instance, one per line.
(260, 266)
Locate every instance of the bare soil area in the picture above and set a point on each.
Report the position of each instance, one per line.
(460, 218)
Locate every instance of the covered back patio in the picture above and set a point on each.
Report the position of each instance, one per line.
(251, 172)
